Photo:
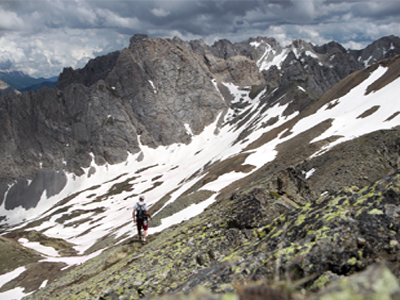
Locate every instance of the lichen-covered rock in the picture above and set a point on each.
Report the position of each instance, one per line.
(341, 233)
(377, 282)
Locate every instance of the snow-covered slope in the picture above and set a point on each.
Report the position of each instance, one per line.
(98, 205)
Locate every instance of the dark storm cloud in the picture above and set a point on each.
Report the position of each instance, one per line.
(375, 10)
(42, 36)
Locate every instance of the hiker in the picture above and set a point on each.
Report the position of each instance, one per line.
(140, 215)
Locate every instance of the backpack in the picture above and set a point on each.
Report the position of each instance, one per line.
(141, 212)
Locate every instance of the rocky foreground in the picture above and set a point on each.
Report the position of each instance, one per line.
(344, 245)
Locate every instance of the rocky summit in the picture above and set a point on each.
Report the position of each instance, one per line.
(270, 172)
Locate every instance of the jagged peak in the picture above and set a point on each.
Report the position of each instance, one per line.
(96, 69)
(262, 39)
(137, 37)
(300, 44)
(326, 48)
(385, 40)
(222, 43)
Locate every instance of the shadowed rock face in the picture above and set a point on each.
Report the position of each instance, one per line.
(95, 70)
(28, 195)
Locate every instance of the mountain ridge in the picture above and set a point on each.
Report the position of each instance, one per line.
(198, 137)
(22, 82)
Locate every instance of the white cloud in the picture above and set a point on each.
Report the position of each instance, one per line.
(73, 31)
(47, 54)
(160, 12)
(10, 21)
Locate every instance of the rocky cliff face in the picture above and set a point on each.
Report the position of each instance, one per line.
(156, 90)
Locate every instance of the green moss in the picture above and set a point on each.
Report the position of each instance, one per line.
(384, 287)
(260, 233)
(376, 211)
(233, 256)
(345, 294)
(236, 269)
(361, 200)
(285, 251)
(320, 282)
(300, 219)
(275, 195)
(229, 296)
(387, 283)
(339, 214)
(278, 233)
(306, 248)
(352, 261)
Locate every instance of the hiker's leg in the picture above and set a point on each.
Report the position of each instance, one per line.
(145, 228)
(138, 225)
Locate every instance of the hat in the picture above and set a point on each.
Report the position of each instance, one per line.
(141, 197)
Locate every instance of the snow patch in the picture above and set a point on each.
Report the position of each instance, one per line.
(309, 173)
(152, 85)
(311, 54)
(345, 112)
(72, 260)
(272, 58)
(183, 215)
(223, 181)
(16, 293)
(44, 284)
(188, 129)
(48, 251)
(255, 44)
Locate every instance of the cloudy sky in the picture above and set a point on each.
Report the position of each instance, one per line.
(40, 37)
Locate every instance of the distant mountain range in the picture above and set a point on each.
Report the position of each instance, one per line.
(22, 82)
